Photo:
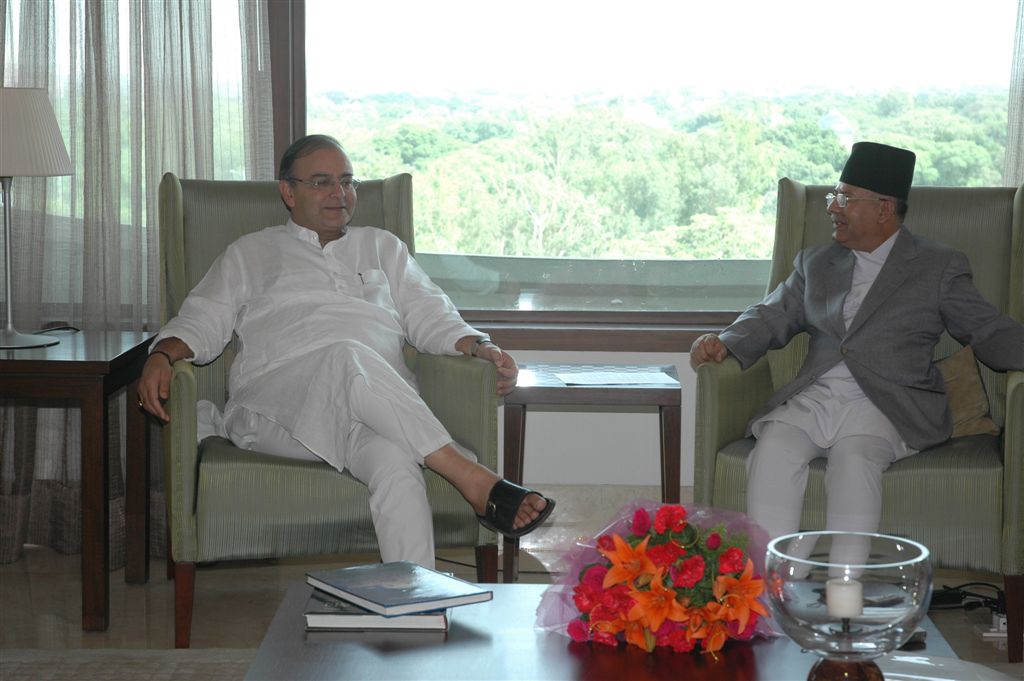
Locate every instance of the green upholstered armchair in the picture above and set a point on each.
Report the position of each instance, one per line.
(963, 499)
(226, 503)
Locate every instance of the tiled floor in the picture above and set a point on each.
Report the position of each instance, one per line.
(235, 601)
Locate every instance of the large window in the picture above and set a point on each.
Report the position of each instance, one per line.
(608, 156)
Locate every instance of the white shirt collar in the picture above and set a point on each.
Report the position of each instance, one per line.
(880, 254)
(302, 233)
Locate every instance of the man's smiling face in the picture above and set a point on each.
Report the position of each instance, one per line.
(867, 220)
(327, 210)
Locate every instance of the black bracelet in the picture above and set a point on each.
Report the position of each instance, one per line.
(161, 352)
(477, 343)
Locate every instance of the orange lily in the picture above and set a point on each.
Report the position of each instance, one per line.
(612, 626)
(640, 636)
(628, 562)
(737, 596)
(715, 636)
(656, 604)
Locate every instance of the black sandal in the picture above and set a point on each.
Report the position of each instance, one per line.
(503, 504)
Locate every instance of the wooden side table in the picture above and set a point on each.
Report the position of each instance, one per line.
(89, 366)
(539, 384)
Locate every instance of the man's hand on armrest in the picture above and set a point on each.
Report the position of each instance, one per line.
(708, 347)
(155, 383)
(484, 348)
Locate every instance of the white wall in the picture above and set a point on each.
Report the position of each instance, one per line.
(597, 445)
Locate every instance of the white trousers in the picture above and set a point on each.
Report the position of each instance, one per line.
(379, 452)
(777, 472)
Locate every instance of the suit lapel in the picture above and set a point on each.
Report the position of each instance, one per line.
(892, 275)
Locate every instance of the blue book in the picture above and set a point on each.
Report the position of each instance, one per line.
(397, 588)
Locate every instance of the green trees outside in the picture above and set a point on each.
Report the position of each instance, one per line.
(666, 176)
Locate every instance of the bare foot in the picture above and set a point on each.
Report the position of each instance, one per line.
(529, 510)
(475, 481)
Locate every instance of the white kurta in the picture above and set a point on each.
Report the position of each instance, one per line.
(295, 305)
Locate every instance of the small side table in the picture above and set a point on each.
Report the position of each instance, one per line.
(539, 384)
(89, 366)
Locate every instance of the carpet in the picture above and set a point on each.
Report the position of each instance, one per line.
(200, 664)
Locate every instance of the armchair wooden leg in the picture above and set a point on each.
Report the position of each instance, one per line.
(167, 545)
(487, 564)
(184, 592)
(1014, 591)
(170, 555)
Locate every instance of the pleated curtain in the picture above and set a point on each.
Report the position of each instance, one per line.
(140, 88)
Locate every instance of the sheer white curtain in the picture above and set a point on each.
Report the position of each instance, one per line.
(140, 87)
(1013, 168)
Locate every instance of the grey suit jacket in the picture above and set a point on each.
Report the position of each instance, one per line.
(922, 289)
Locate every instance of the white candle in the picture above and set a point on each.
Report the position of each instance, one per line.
(844, 597)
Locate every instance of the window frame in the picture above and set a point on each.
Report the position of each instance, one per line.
(513, 329)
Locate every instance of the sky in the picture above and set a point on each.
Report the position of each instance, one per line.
(637, 46)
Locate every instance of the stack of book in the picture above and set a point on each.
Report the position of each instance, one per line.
(389, 596)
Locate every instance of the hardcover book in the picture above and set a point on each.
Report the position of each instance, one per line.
(325, 612)
(397, 588)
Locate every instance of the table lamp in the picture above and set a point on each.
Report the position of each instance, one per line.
(30, 146)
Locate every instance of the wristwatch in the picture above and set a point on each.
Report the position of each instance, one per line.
(478, 342)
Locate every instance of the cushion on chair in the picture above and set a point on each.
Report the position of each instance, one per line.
(968, 403)
(929, 497)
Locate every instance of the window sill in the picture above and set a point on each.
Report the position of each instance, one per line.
(619, 332)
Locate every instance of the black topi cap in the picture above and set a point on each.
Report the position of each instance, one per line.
(880, 168)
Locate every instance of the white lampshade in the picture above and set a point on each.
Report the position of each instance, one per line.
(30, 141)
(30, 146)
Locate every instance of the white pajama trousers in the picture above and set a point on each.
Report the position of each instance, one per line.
(777, 470)
(389, 431)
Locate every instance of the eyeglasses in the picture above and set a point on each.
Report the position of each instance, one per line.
(327, 183)
(842, 199)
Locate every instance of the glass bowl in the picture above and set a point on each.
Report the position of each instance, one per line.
(848, 596)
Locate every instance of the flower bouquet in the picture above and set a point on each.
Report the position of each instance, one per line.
(660, 576)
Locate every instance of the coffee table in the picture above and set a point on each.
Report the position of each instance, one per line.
(497, 640)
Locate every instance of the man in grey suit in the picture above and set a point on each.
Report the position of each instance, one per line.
(875, 302)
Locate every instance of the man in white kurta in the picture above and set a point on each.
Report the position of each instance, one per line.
(322, 311)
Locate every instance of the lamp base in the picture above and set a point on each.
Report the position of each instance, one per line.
(12, 340)
(836, 670)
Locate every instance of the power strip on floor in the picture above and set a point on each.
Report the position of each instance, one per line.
(996, 630)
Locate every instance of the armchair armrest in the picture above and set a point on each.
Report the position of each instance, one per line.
(1013, 476)
(181, 456)
(727, 397)
(462, 393)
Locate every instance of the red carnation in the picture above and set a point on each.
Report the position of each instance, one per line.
(641, 522)
(617, 600)
(731, 561)
(670, 518)
(665, 554)
(579, 631)
(585, 597)
(606, 543)
(594, 577)
(713, 541)
(689, 573)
